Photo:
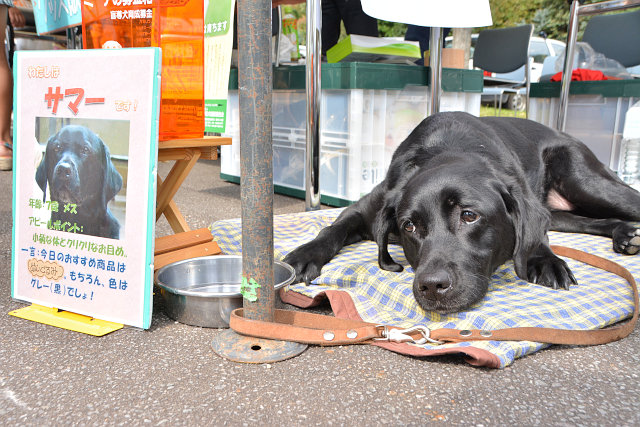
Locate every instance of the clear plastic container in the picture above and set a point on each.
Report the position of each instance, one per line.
(630, 152)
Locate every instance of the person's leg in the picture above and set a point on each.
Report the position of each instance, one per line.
(330, 24)
(6, 90)
(422, 36)
(356, 21)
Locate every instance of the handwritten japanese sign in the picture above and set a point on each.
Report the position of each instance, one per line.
(83, 236)
(218, 41)
(54, 15)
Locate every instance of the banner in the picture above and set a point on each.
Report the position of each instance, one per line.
(218, 43)
(54, 15)
(175, 26)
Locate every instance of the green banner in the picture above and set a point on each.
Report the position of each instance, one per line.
(215, 115)
(218, 42)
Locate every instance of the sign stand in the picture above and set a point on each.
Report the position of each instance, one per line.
(66, 320)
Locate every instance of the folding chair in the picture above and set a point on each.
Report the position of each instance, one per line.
(616, 36)
(504, 50)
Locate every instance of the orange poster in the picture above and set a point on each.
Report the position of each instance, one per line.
(176, 26)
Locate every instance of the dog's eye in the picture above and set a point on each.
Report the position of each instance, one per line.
(469, 217)
(409, 227)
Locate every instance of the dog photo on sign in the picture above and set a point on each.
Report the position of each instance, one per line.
(463, 195)
(82, 175)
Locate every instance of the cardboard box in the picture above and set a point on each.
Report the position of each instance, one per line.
(373, 49)
(451, 58)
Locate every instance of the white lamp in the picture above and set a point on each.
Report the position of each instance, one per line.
(435, 14)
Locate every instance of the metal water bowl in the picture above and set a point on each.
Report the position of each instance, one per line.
(204, 291)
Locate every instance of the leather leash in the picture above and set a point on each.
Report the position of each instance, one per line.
(309, 328)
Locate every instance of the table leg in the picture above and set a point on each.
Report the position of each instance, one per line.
(173, 181)
(173, 215)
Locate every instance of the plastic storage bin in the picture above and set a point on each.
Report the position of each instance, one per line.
(367, 110)
(596, 112)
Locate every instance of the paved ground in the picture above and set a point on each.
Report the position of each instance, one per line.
(168, 375)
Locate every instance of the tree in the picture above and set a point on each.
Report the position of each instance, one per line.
(548, 16)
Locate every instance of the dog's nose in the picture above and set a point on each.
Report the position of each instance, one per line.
(434, 284)
(63, 170)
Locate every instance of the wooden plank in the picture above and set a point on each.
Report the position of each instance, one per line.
(166, 154)
(197, 251)
(182, 240)
(209, 153)
(207, 141)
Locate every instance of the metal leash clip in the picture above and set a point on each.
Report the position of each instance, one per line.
(402, 335)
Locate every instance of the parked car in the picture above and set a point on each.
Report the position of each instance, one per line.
(539, 49)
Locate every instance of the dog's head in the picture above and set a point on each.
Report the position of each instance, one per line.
(78, 169)
(458, 219)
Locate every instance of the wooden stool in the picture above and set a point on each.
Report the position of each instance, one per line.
(186, 153)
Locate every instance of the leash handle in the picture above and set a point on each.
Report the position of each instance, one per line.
(309, 328)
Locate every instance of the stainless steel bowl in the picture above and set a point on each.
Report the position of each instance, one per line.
(204, 291)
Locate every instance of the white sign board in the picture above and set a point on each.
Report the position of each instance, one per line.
(86, 134)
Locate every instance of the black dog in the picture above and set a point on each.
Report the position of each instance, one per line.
(78, 169)
(465, 194)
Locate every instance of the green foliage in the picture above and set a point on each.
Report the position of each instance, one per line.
(548, 16)
(391, 29)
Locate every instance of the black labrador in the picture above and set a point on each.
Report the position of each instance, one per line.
(78, 170)
(465, 194)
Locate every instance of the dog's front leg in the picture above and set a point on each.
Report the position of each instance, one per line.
(546, 269)
(307, 260)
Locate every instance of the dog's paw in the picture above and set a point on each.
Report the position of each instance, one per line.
(550, 271)
(307, 261)
(387, 263)
(626, 239)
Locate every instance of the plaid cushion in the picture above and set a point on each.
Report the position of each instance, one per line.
(380, 296)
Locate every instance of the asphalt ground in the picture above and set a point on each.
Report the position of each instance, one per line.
(169, 375)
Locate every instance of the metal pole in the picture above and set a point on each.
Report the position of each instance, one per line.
(607, 6)
(279, 36)
(435, 66)
(313, 72)
(256, 155)
(72, 38)
(255, 75)
(569, 54)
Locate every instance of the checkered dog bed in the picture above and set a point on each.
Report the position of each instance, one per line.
(358, 289)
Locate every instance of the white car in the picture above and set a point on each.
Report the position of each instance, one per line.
(539, 49)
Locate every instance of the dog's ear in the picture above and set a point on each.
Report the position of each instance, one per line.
(42, 172)
(530, 221)
(112, 178)
(385, 224)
